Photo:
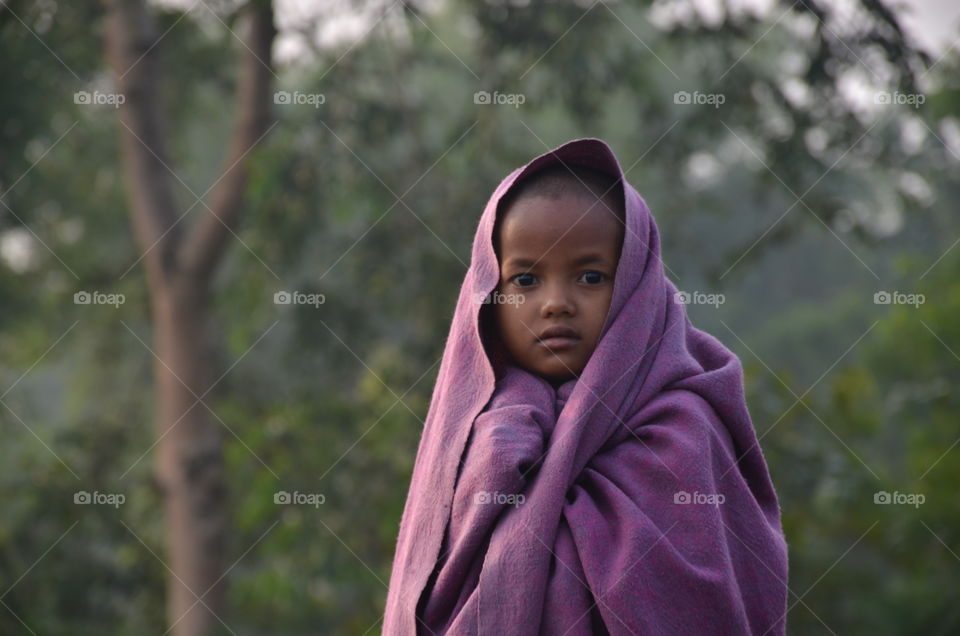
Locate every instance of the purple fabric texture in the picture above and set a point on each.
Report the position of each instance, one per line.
(632, 500)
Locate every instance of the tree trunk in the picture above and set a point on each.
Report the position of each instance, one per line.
(189, 464)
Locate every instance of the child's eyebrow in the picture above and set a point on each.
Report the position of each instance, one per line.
(581, 260)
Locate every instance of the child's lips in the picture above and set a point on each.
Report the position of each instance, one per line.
(558, 338)
(558, 331)
(559, 343)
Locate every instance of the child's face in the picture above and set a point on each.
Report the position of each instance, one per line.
(562, 267)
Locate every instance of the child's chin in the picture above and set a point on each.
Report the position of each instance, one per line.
(558, 374)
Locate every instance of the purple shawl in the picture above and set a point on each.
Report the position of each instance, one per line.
(632, 500)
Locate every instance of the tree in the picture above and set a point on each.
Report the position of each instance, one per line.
(180, 264)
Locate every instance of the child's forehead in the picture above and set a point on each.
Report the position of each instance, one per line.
(565, 187)
(573, 207)
(554, 194)
(568, 223)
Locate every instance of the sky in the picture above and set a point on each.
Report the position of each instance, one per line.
(935, 24)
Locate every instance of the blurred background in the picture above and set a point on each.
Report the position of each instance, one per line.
(232, 236)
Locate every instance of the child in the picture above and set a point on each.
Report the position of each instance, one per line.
(588, 464)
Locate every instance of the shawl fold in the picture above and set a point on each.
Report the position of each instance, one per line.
(634, 499)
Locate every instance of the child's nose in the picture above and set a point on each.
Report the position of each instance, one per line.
(557, 302)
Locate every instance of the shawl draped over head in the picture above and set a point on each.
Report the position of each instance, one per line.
(634, 499)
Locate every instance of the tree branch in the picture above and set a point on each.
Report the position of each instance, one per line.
(204, 246)
(130, 36)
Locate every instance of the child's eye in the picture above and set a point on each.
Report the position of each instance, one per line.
(526, 277)
(595, 278)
